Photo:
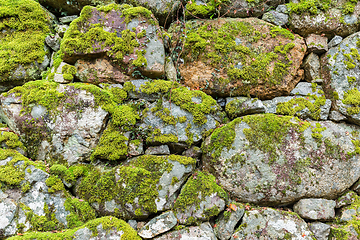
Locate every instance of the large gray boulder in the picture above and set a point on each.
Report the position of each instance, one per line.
(271, 159)
(268, 223)
(341, 74)
(55, 121)
(315, 209)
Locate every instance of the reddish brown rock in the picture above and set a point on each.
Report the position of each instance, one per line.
(240, 57)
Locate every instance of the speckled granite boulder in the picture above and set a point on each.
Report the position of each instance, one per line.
(227, 57)
(204, 231)
(272, 159)
(267, 223)
(315, 209)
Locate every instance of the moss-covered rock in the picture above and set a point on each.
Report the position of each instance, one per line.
(23, 55)
(228, 57)
(106, 227)
(144, 185)
(128, 36)
(65, 122)
(272, 159)
(200, 199)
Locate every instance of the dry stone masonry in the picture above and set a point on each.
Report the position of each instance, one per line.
(195, 119)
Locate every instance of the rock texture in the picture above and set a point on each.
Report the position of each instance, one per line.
(257, 157)
(226, 63)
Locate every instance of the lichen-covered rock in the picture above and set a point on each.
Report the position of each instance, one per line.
(275, 17)
(346, 199)
(238, 57)
(311, 67)
(267, 223)
(158, 150)
(240, 106)
(98, 229)
(321, 230)
(158, 225)
(33, 200)
(316, 44)
(341, 71)
(142, 186)
(200, 199)
(61, 72)
(64, 122)
(204, 231)
(23, 55)
(181, 118)
(270, 159)
(225, 224)
(315, 209)
(331, 18)
(128, 36)
(335, 41)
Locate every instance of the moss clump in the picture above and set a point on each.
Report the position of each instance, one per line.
(195, 190)
(69, 175)
(12, 173)
(112, 145)
(10, 140)
(55, 184)
(107, 223)
(296, 105)
(157, 137)
(158, 86)
(352, 97)
(311, 6)
(24, 26)
(316, 132)
(234, 108)
(80, 212)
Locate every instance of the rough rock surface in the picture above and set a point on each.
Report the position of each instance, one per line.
(276, 18)
(272, 224)
(316, 44)
(127, 37)
(236, 63)
(23, 54)
(320, 230)
(341, 73)
(54, 120)
(257, 157)
(204, 231)
(315, 209)
(312, 19)
(241, 8)
(346, 199)
(240, 106)
(158, 225)
(311, 67)
(207, 199)
(225, 224)
(160, 177)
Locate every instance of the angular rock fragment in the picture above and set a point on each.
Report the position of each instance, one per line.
(158, 225)
(315, 209)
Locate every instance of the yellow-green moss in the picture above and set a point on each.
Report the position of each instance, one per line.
(158, 86)
(11, 140)
(80, 212)
(24, 25)
(352, 97)
(157, 137)
(196, 189)
(112, 145)
(108, 223)
(316, 132)
(69, 175)
(55, 184)
(311, 6)
(11, 173)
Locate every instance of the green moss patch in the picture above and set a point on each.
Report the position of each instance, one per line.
(24, 26)
(11, 140)
(80, 212)
(69, 175)
(198, 186)
(107, 223)
(352, 97)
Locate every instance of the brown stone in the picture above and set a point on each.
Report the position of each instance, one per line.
(316, 44)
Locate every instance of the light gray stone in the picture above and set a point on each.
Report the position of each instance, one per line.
(307, 89)
(272, 224)
(336, 116)
(346, 199)
(336, 40)
(315, 209)
(348, 214)
(53, 41)
(202, 232)
(240, 106)
(158, 225)
(225, 224)
(275, 17)
(320, 230)
(135, 148)
(61, 29)
(158, 150)
(68, 19)
(132, 223)
(170, 70)
(282, 9)
(316, 44)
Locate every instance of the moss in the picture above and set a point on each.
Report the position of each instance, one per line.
(351, 79)
(11, 140)
(157, 137)
(11, 173)
(158, 86)
(296, 105)
(195, 190)
(69, 175)
(234, 108)
(80, 212)
(55, 184)
(218, 47)
(311, 6)
(352, 97)
(112, 145)
(24, 25)
(316, 132)
(107, 223)
(25, 187)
